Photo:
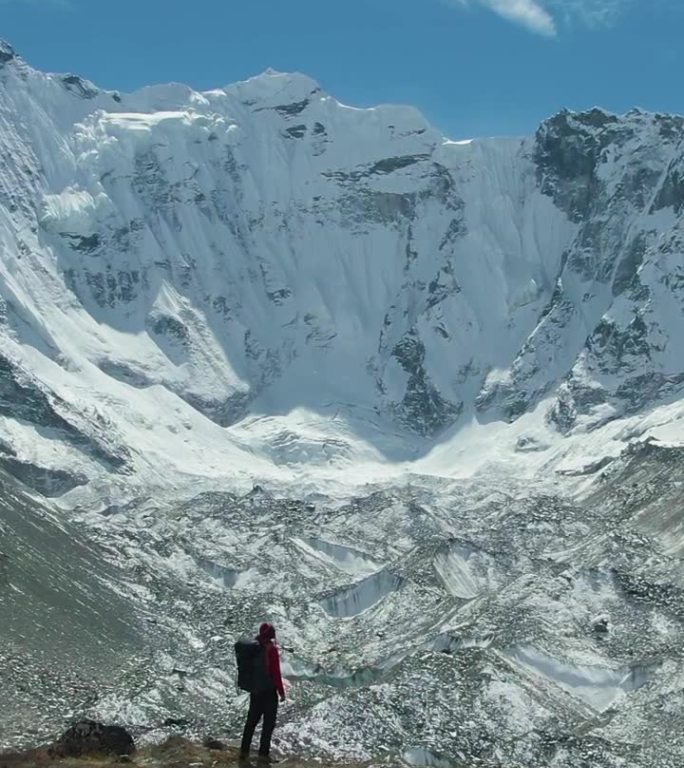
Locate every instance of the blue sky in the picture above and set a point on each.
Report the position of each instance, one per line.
(474, 67)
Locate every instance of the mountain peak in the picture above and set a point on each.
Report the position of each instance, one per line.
(277, 89)
(294, 80)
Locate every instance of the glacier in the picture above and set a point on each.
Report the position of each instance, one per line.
(416, 400)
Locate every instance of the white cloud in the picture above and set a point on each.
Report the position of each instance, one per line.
(592, 12)
(529, 13)
(543, 16)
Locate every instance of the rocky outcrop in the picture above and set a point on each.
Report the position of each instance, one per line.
(6, 53)
(23, 397)
(47, 481)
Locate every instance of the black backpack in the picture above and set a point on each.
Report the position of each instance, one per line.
(252, 668)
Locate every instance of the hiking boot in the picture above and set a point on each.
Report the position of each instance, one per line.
(266, 760)
(243, 759)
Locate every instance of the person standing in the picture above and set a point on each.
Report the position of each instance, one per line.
(267, 688)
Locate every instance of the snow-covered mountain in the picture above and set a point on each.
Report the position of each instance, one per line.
(276, 356)
(258, 279)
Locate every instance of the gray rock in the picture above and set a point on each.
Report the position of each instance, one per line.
(7, 53)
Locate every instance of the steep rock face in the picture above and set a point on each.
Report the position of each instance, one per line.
(261, 249)
(608, 332)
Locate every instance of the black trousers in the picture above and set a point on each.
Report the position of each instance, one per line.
(261, 705)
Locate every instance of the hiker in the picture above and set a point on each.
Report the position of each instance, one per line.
(261, 677)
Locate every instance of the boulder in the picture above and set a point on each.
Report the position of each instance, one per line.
(90, 737)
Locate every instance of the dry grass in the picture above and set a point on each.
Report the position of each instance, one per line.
(176, 752)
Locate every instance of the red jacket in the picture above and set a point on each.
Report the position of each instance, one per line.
(273, 666)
